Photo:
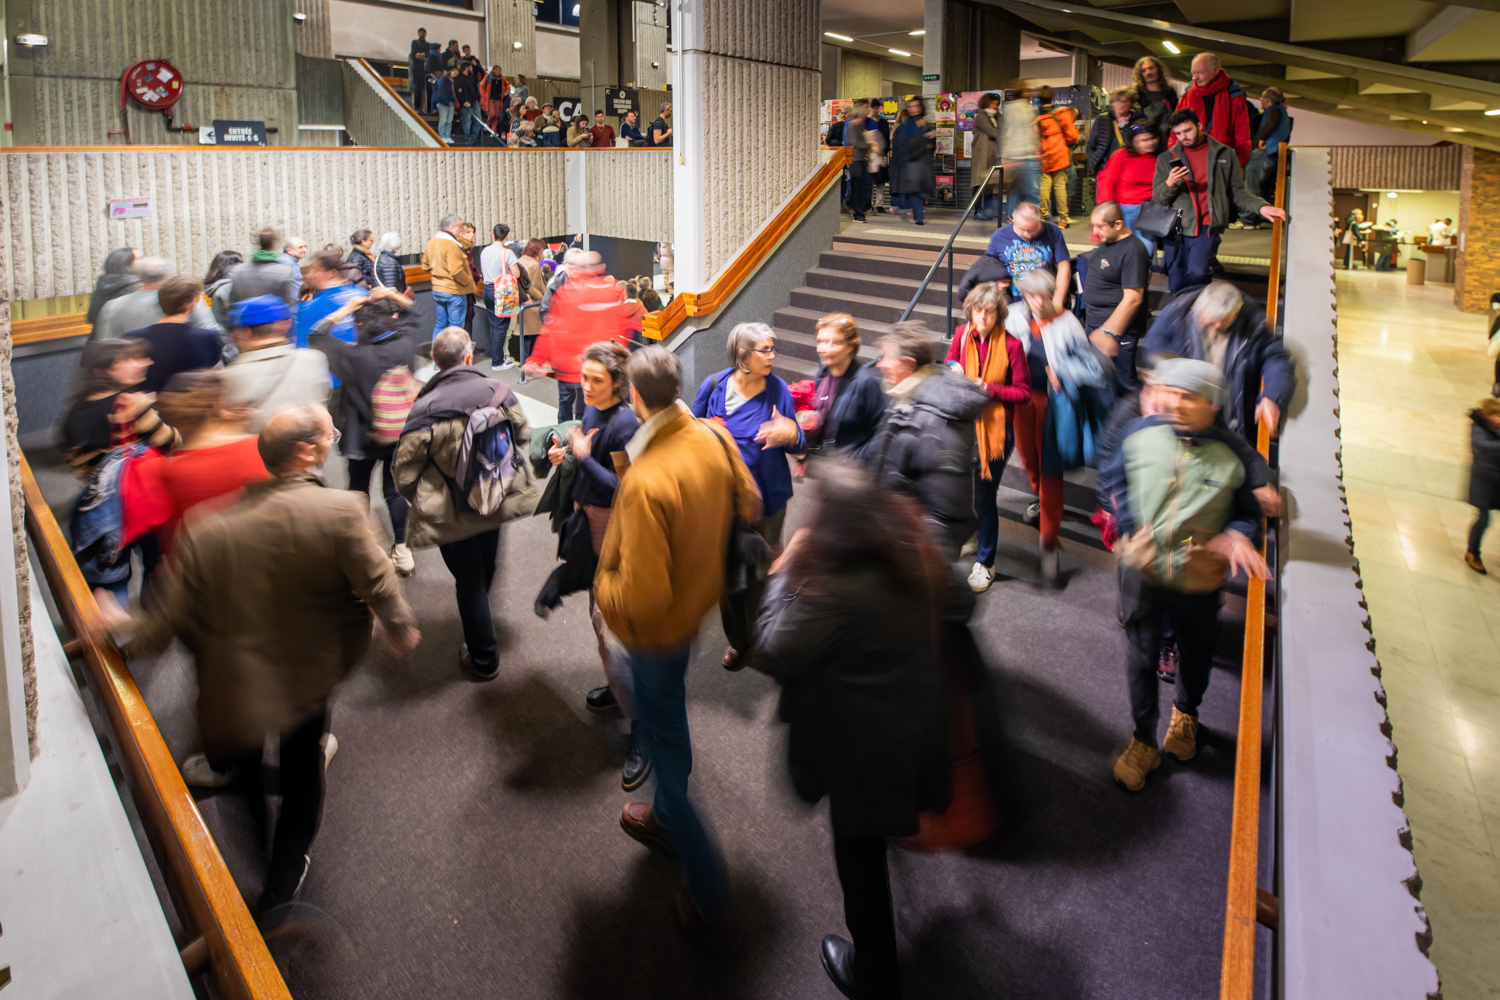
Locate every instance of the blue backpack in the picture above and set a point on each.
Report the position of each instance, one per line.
(488, 460)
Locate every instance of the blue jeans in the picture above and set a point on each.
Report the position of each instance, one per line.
(470, 119)
(1476, 533)
(985, 493)
(1131, 213)
(660, 681)
(449, 310)
(445, 121)
(1187, 261)
(910, 202)
(569, 401)
(1025, 185)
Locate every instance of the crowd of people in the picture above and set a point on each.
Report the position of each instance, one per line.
(202, 450)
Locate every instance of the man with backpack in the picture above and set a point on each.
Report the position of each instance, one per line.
(461, 463)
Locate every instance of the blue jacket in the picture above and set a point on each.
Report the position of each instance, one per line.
(1251, 355)
(767, 465)
(858, 410)
(597, 480)
(442, 91)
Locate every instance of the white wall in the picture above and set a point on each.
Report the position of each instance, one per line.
(556, 53)
(1415, 210)
(1312, 129)
(381, 32)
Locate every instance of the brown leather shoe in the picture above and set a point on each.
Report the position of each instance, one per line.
(1472, 560)
(639, 823)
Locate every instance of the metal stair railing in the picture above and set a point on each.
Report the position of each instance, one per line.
(948, 252)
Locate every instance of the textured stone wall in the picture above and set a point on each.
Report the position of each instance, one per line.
(650, 47)
(1478, 266)
(236, 59)
(314, 36)
(1407, 168)
(320, 91)
(207, 200)
(618, 182)
(372, 117)
(17, 500)
(859, 74)
(509, 22)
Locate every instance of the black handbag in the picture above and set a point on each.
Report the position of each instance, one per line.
(745, 565)
(1160, 221)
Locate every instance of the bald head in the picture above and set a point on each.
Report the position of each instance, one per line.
(296, 440)
(451, 348)
(1107, 222)
(1109, 212)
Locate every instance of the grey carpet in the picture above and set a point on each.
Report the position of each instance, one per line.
(470, 844)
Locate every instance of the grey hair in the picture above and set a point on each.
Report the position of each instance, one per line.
(286, 244)
(389, 243)
(744, 337)
(448, 221)
(1037, 281)
(1219, 302)
(1210, 58)
(1027, 207)
(450, 347)
(152, 269)
(664, 106)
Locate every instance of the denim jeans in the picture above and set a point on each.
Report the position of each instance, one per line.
(1195, 620)
(449, 310)
(472, 563)
(569, 401)
(470, 120)
(912, 203)
(1187, 261)
(985, 494)
(445, 121)
(660, 682)
(1131, 213)
(1025, 185)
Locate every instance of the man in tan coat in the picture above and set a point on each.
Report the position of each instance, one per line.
(660, 570)
(452, 279)
(274, 598)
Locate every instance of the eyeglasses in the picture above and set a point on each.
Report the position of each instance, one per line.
(765, 352)
(337, 436)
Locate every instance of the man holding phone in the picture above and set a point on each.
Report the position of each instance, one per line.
(1201, 178)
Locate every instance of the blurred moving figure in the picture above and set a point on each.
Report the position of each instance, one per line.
(140, 308)
(176, 344)
(582, 306)
(848, 627)
(116, 279)
(660, 571)
(270, 374)
(1188, 517)
(275, 597)
(848, 405)
(1484, 475)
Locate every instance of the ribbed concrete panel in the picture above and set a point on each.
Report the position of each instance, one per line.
(1411, 168)
(314, 37)
(748, 185)
(510, 22)
(650, 47)
(623, 182)
(245, 43)
(784, 32)
(206, 200)
(82, 112)
(320, 91)
(371, 118)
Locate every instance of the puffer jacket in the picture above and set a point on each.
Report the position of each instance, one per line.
(426, 462)
(390, 272)
(1058, 134)
(1104, 139)
(925, 448)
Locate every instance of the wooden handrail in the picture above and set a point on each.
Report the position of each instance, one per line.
(402, 102)
(1237, 973)
(664, 321)
(44, 328)
(204, 892)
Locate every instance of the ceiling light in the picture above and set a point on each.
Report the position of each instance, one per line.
(31, 40)
(1424, 121)
(299, 17)
(515, 45)
(898, 52)
(575, 9)
(1171, 48)
(919, 31)
(656, 65)
(1392, 194)
(1492, 112)
(842, 38)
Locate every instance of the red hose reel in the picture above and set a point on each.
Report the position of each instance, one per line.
(154, 84)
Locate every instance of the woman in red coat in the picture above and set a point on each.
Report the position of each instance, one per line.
(1127, 176)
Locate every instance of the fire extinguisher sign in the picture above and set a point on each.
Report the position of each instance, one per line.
(239, 133)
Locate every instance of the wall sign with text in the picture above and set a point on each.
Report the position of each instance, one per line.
(129, 208)
(228, 133)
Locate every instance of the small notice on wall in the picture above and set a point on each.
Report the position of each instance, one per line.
(129, 208)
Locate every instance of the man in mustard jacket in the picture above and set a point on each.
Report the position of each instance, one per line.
(660, 570)
(452, 280)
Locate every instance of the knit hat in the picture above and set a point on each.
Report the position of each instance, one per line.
(257, 311)
(1198, 377)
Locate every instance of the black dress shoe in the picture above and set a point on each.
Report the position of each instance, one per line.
(601, 700)
(466, 664)
(637, 765)
(838, 962)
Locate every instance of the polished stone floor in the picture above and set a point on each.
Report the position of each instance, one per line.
(1411, 366)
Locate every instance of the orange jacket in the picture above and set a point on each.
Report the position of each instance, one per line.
(1058, 134)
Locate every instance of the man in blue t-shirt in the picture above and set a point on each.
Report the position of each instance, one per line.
(1028, 243)
(330, 293)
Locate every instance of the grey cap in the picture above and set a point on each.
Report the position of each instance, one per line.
(1198, 377)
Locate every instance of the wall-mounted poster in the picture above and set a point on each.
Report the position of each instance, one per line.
(944, 110)
(945, 142)
(968, 103)
(889, 108)
(968, 145)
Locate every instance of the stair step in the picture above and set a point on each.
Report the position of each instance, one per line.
(882, 243)
(796, 319)
(876, 309)
(804, 346)
(858, 283)
(909, 268)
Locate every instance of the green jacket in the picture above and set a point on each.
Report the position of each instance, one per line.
(1226, 185)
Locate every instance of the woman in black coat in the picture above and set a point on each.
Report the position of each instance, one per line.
(116, 280)
(1484, 474)
(849, 402)
(848, 628)
(912, 183)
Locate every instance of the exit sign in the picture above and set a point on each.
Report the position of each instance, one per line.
(929, 78)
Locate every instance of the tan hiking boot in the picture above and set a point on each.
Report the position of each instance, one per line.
(1135, 763)
(1182, 736)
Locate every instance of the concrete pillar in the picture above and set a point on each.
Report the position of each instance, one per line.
(723, 190)
(833, 58)
(968, 47)
(506, 23)
(598, 50)
(17, 668)
(643, 48)
(313, 36)
(1087, 69)
(1477, 270)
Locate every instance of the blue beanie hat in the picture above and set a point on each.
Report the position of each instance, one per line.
(259, 310)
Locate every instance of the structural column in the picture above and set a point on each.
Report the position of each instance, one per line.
(968, 47)
(17, 670)
(598, 50)
(730, 53)
(506, 24)
(1477, 270)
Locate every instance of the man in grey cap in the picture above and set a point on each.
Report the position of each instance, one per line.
(1188, 517)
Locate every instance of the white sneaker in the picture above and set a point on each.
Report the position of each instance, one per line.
(1049, 566)
(197, 771)
(503, 366)
(970, 547)
(980, 578)
(402, 559)
(330, 747)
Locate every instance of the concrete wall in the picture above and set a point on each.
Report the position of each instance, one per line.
(386, 31)
(372, 117)
(650, 46)
(507, 23)
(313, 37)
(320, 91)
(1414, 168)
(619, 183)
(236, 59)
(859, 74)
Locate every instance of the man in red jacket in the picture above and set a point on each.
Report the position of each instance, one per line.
(1220, 105)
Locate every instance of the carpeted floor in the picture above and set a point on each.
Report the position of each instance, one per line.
(470, 844)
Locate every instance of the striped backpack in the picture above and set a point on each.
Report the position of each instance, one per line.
(390, 402)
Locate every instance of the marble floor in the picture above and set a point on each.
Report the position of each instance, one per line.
(1411, 366)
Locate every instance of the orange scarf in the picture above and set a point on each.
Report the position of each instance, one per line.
(990, 427)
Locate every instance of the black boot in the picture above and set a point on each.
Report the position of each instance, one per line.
(637, 764)
(838, 962)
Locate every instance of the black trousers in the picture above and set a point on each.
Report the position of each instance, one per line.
(472, 563)
(361, 470)
(301, 779)
(866, 882)
(1194, 618)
